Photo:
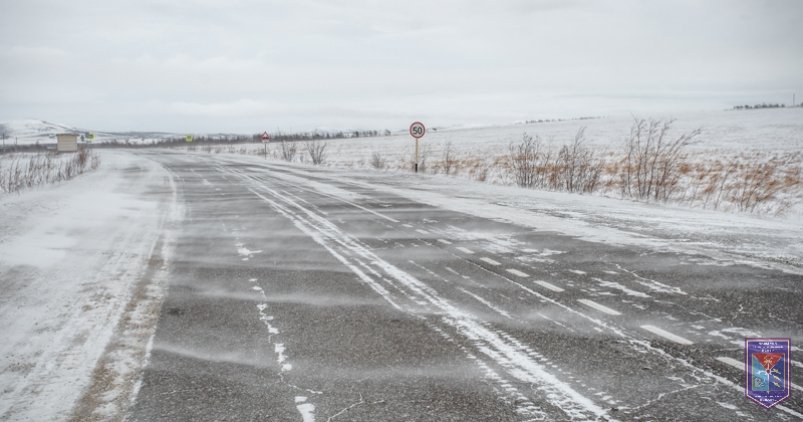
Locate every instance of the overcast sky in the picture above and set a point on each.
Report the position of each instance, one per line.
(246, 66)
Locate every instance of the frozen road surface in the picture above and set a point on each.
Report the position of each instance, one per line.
(296, 293)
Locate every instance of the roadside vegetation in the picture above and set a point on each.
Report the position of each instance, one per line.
(21, 171)
(653, 164)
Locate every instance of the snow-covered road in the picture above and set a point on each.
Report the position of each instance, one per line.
(312, 294)
(299, 293)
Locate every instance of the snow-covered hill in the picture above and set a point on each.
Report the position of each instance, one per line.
(31, 131)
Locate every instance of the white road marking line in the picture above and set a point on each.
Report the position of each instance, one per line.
(493, 345)
(667, 335)
(318, 191)
(599, 307)
(486, 303)
(490, 261)
(544, 378)
(422, 231)
(444, 241)
(740, 365)
(548, 286)
(408, 226)
(465, 250)
(731, 361)
(517, 273)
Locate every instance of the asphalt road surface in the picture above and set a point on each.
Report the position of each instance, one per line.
(294, 296)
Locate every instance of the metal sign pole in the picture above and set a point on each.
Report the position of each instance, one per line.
(265, 139)
(416, 155)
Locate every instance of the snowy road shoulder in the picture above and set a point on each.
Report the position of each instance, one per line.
(75, 258)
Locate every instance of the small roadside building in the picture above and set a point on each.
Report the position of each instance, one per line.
(66, 142)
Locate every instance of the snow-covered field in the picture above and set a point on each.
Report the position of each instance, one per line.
(752, 140)
(725, 132)
(72, 259)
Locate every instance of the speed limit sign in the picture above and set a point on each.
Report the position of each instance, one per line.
(417, 130)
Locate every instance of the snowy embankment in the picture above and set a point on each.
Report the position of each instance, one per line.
(80, 264)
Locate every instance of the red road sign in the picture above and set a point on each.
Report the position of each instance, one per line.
(417, 130)
(265, 137)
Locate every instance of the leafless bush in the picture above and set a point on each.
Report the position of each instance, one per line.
(377, 161)
(448, 162)
(422, 160)
(650, 167)
(30, 170)
(480, 172)
(746, 183)
(287, 150)
(94, 161)
(575, 169)
(524, 160)
(82, 157)
(316, 151)
(713, 179)
(758, 184)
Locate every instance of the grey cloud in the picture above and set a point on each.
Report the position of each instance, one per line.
(209, 65)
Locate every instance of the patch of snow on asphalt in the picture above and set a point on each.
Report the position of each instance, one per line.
(307, 410)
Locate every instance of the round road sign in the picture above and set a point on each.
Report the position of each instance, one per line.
(417, 130)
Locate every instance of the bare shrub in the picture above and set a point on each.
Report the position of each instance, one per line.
(316, 151)
(524, 160)
(26, 171)
(377, 161)
(422, 161)
(479, 172)
(82, 157)
(94, 162)
(758, 184)
(448, 163)
(575, 169)
(650, 167)
(287, 150)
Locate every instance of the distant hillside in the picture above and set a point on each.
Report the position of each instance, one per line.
(31, 131)
(28, 133)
